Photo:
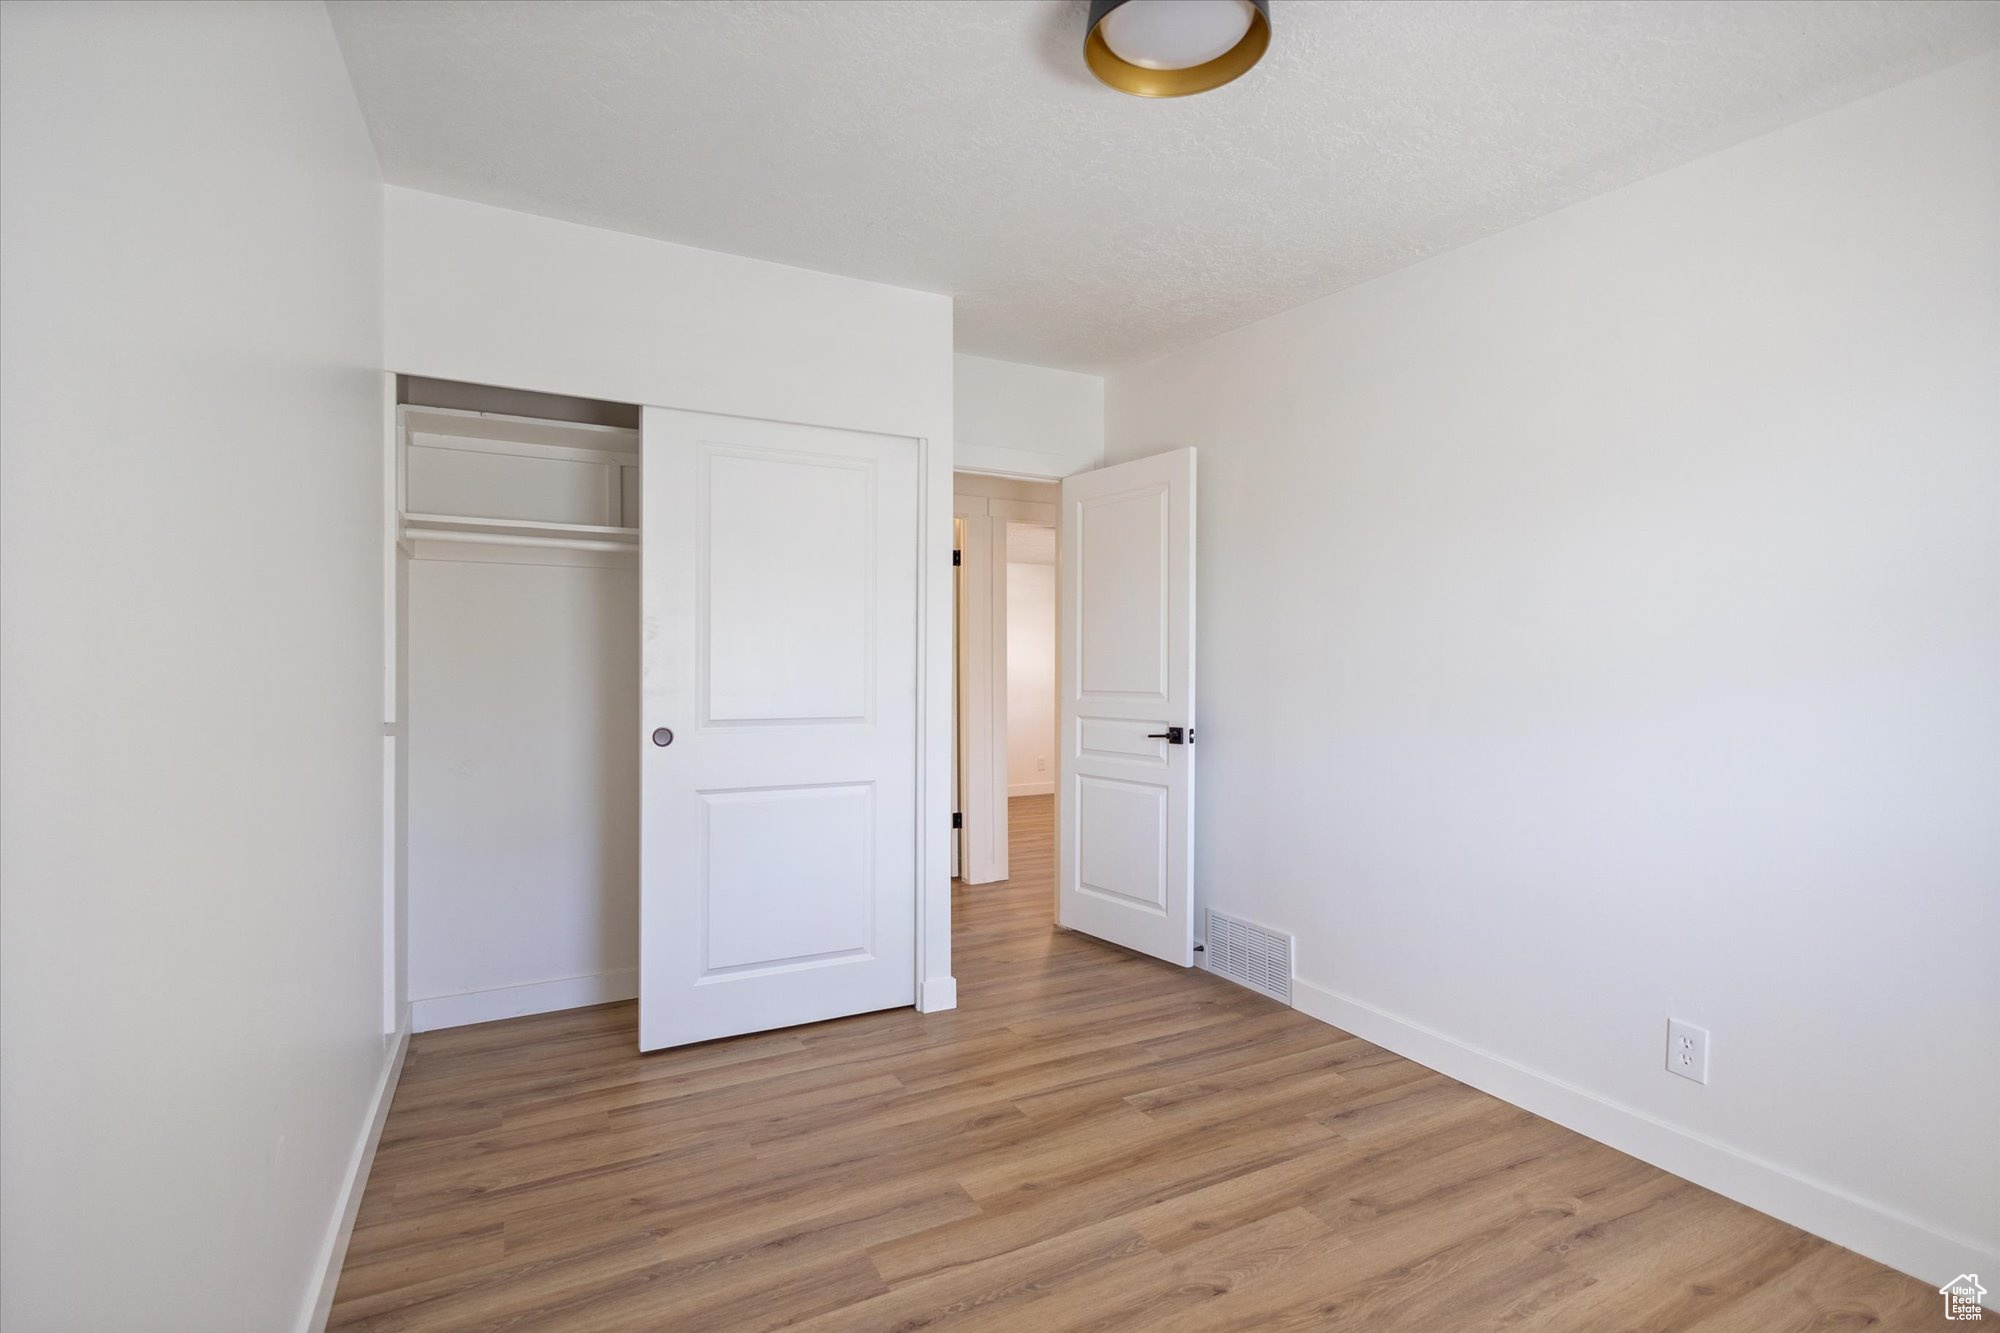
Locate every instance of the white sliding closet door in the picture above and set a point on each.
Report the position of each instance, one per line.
(778, 824)
(1126, 840)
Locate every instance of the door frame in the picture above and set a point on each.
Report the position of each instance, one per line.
(982, 693)
(936, 987)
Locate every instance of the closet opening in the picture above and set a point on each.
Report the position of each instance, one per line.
(516, 562)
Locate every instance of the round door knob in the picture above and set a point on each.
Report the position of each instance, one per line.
(663, 735)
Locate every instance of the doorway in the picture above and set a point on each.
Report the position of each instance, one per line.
(1123, 764)
(1006, 760)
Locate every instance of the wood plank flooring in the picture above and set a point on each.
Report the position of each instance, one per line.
(1092, 1141)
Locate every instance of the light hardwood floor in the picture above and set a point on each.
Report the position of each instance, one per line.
(1092, 1141)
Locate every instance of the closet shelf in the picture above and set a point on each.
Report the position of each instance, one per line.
(585, 536)
(493, 432)
(438, 535)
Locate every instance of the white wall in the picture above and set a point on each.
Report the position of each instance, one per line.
(524, 788)
(1026, 421)
(489, 296)
(1601, 622)
(1031, 679)
(191, 619)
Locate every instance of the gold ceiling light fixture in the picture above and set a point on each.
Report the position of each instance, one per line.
(1171, 48)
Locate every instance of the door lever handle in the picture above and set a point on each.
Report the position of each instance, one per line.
(1172, 736)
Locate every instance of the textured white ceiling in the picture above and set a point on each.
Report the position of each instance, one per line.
(959, 145)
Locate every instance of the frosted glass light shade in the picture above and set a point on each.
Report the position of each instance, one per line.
(1176, 34)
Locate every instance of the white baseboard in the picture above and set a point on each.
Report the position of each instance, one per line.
(541, 997)
(1032, 789)
(937, 994)
(333, 1252)
(1882, 1234)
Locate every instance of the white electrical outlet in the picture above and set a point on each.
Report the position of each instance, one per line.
(1041, 763)
(1687, 1050)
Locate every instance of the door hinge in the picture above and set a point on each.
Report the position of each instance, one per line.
(957, 819)
(957, 559)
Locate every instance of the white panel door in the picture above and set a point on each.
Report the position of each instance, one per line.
(778, 822)
(1125, 840)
